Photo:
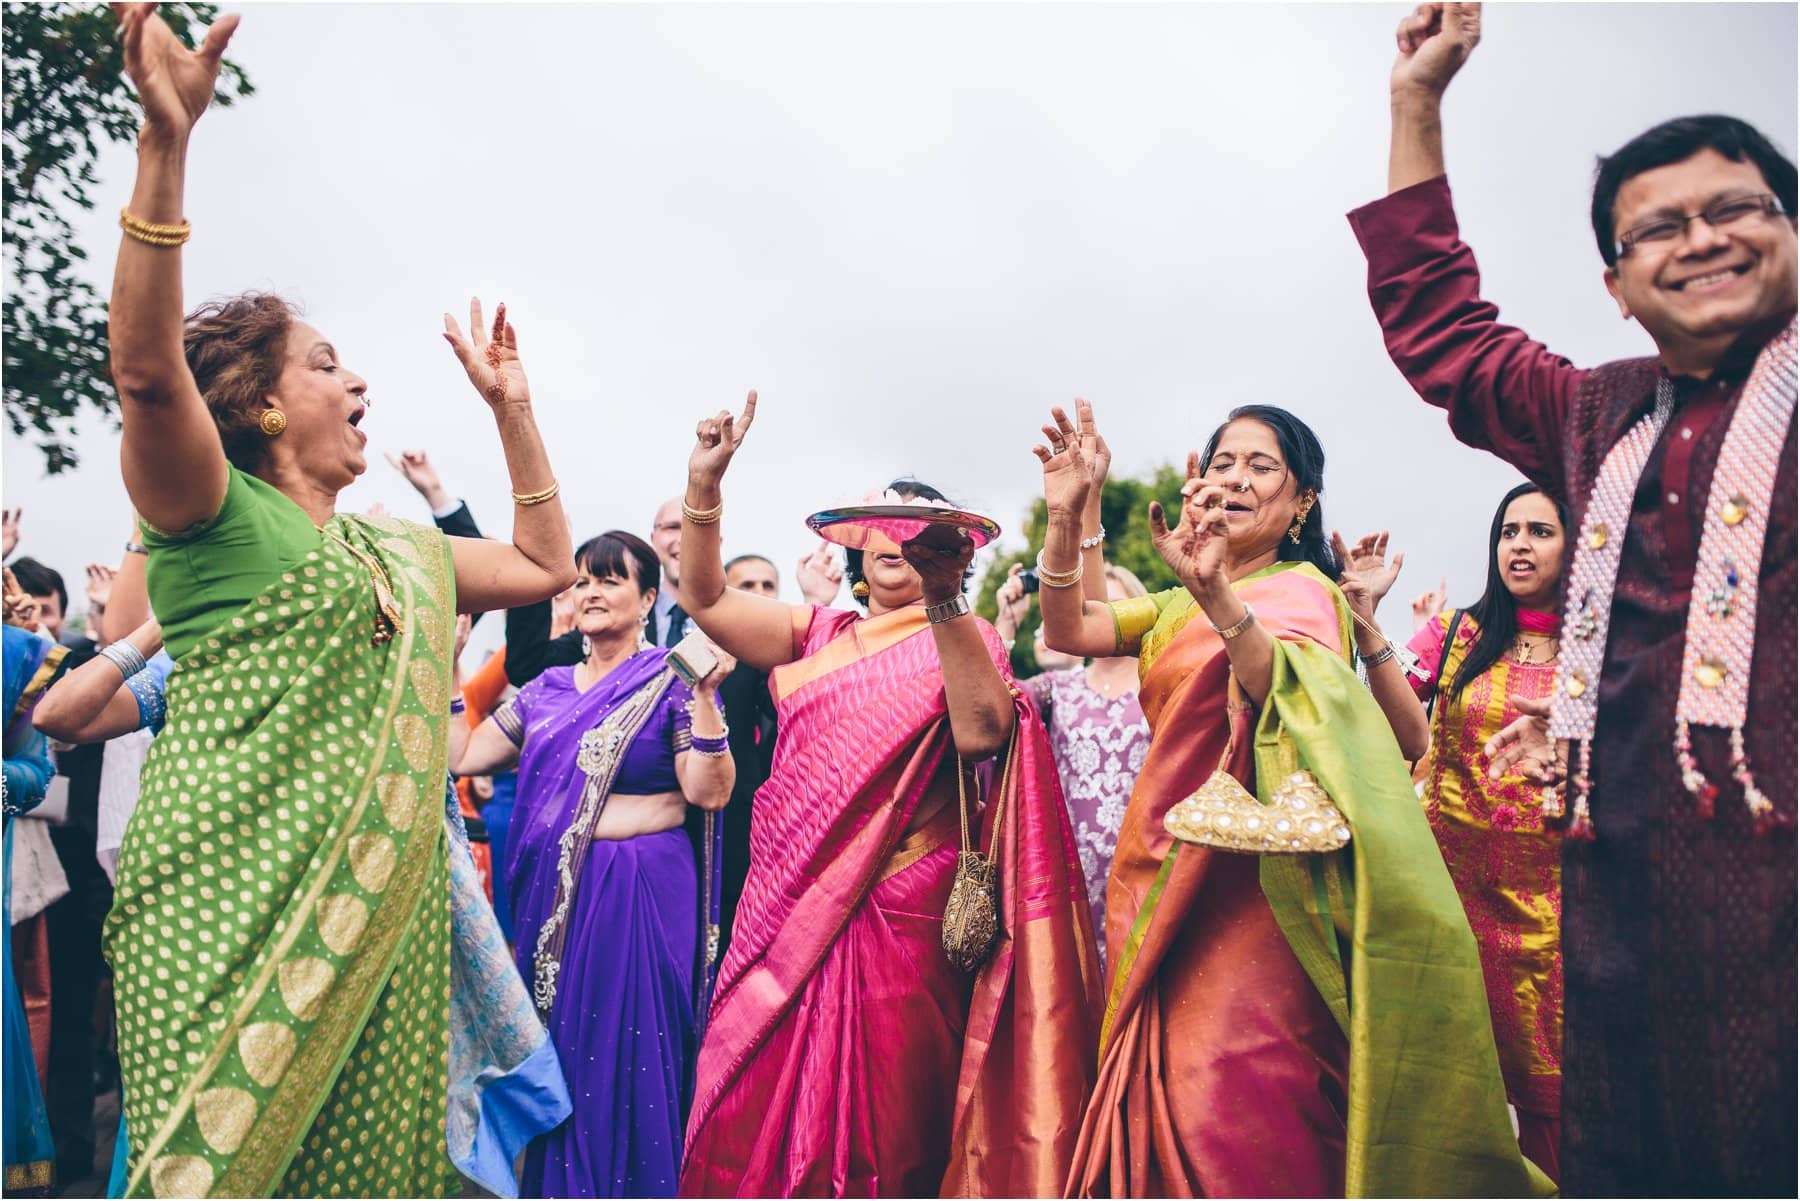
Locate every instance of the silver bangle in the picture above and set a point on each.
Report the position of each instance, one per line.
(1096, 540)
(124, 656)
(1235, 628)
(1379, 657)
(136, 548)
(948, 610)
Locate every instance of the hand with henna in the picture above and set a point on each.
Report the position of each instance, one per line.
(490, 356)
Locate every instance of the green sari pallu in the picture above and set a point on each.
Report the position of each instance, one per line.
(1427, 1109)
(280, 932)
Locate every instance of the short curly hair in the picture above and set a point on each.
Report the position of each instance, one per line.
(236, 347)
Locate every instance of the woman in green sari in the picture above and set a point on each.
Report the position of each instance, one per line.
(281, 932)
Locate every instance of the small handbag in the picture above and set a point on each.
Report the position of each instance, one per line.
(1300, 818)
(972, 914)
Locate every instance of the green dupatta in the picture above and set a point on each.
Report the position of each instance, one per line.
(280, 932)
(1427, 1108)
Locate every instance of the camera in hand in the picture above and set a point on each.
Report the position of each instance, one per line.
(1029, 578)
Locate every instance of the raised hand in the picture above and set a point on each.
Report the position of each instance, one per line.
(491, 357)
(465, 625)
(1011, 603)
(1428, 605)
(1093, 448)
(716, 440)
(1525, 746)
(99, 587)
(1068, 473)
(1366, 563)
(416, 466)
(562, 613)
(174, 84)
(9, 531)
(1195, 548)
(1433, 43)
(20, 607)
(941, 555)
(820, 575)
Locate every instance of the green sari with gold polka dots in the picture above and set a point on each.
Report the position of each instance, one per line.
(281, 927)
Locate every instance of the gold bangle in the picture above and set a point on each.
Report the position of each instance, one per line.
(702, 516)
(152, 234)
(1052, 578)
(527, 499)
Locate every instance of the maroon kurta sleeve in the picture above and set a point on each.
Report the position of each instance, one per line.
(1504, 393)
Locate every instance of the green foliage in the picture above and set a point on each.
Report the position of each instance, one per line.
(1124, 512)
(66, 97)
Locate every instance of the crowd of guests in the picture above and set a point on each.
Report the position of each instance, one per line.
(689, 890)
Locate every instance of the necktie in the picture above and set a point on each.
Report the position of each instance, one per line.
(677, 625)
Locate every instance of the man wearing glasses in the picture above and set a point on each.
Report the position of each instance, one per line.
(1674, 715)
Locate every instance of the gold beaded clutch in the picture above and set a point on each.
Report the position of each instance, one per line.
(1300, 820)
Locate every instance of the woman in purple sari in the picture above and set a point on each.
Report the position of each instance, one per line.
(613, 917)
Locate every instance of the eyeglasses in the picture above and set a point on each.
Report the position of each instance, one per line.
(1718, 214)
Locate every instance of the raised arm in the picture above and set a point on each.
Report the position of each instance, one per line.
(1503, 392)
(758, 630)
(539, 562)
(128, 604)
(1368, 575)
(173, 461)
(93, 702)
(1077, 620)
(976, 694)
(1433, 43)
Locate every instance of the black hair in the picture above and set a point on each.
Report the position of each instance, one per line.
(1496, 615)
(749, 558)
(1306, 464)
(39, 580)
(910, 489)
(609, 553)
(1673, 141)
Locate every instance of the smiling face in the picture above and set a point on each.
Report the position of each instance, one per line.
(665, 539)
(324, 404)
(612, 605)
(1696, 292)
(1529, 552)
(1261, 499)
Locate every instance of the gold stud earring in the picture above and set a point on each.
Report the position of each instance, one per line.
(1299, 523)
(860, 590)
(273, 422)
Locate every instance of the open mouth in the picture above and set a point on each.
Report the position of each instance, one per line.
(1521, 567)
(356, 416)
(1232, 506)
(1712, 279)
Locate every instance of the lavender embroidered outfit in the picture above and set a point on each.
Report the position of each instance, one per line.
(1099, 744)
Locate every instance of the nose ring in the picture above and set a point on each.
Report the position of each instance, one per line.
(1243, 486)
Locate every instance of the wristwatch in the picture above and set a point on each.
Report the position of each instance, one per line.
(955, 607)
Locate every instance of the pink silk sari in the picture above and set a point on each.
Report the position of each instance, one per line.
(845, 1055)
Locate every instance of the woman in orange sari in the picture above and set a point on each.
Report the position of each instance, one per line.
(846, 1054)
(1289, 1025)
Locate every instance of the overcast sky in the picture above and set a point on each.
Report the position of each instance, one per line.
(912, 227)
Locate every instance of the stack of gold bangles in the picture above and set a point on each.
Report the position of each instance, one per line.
(702, 516)
(151, 233)
(1057, 579)
(527, 499)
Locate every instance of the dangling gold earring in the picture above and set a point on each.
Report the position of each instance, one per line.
(860, 590)
(273, 422)
(1299, 522)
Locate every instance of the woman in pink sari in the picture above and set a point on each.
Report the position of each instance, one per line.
(846, 1054)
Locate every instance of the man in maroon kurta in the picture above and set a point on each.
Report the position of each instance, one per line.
(1678, 931)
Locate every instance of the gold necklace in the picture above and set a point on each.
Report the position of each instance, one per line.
(1522, 650)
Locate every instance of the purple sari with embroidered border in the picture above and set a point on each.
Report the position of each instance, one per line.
(623, 1018)
(846, 1055)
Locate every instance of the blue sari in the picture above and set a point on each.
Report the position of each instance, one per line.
(30, 664)
(619, 952)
